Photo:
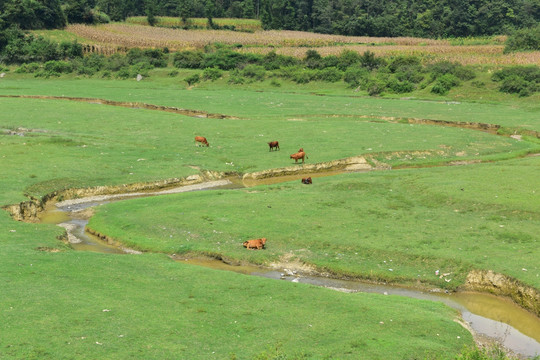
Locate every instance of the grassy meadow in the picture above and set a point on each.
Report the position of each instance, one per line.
(394, 225)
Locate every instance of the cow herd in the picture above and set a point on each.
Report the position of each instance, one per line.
(259, 244)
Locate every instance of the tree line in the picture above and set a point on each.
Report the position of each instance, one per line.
(387, 18)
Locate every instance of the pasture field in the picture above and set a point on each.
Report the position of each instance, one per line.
(60, 303)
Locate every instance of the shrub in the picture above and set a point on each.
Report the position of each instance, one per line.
(115, 62)
(444, 84)
(255, 72)
(173, 73)
(403, 63)
(28, 68)
(375, 87)
(188, 59)
(124, 73)
(331, 74)
(517, 85)
(528, 73)
(313, 59)
(368, 60)
(193, 79)
(522, 80)
(524, 40)
(226, 59)
(446, 67)
(399, 87)
(236, 80)
(273, 61)
(61, 67)
(348, 58)
(212, 74)
(355, 76)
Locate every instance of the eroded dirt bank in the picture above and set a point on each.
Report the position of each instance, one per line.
(502, 285)
(29, 211)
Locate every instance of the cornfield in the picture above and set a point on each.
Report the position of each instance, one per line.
(110, 38)
(174, 22)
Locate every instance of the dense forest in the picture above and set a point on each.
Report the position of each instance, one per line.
(391, 18)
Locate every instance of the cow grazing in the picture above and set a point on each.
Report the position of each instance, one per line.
(202, 140)
(273, 144)
(307, 181)
(257, 244)
(299, 155)
(301, 150)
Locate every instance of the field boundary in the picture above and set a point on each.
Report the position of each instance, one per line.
(128, 104)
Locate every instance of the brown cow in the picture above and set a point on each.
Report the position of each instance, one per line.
(298, 156)
(273, 144)
(255, 244)
(301, 150)
(202, 140)
(307, 181)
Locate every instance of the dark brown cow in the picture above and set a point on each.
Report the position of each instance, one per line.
(255, 244)
(273, 144)
(307, 181)
(298, 156)
(202, 140)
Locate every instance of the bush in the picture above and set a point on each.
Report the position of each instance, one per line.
(124, 73)
(212, 74)
(173, 73)
(115, 62)
(517, 85)
(444, 84)
(355, 76)
(273, 61)
(188, 59)
(522, 80)
(226, 59)
(331, 74)
(529, 73)
(524, 40)
(347, 58)
(236, 79)
(193, 79)
(375, 87)
(255, 72)
(400, 87)
(404, 63)
(313, 59)
(60, 67)
(154, 57)
(28, 68)
(446, 67)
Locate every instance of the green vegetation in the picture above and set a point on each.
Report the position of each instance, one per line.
(399, 225)
(524, 40)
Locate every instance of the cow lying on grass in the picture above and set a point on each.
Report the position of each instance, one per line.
(202, 140)
(255, 244)
(307, 181)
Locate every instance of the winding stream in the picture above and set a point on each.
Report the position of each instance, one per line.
(491, 318)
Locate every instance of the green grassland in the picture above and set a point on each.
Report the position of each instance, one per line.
(398, 226)
(70, 304)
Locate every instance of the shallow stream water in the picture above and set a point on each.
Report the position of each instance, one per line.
(490, 317)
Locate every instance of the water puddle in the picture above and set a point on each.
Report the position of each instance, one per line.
(489, 316)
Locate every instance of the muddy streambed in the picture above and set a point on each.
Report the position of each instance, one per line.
(491, 318)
